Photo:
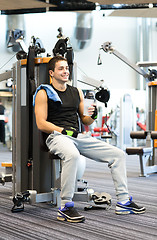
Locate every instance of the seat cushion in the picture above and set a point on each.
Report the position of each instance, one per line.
(138, 150)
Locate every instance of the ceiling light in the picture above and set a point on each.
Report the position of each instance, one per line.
(97, 8)
(117, 5)
(150, 5)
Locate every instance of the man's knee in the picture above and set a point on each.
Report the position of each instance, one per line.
(117, 152)
(121, 154)
(73, 155)
(117, 157)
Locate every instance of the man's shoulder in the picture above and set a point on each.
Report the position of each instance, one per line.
(74, 91)
(41, 94)
(72, 87)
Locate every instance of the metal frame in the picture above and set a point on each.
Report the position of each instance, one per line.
(42, 179)
(108, 48)
(7, 176)
(5, 75)
(152, 103)
(146, 169)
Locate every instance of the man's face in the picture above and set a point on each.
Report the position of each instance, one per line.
(61, 71)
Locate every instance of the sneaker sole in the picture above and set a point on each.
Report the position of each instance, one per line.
(123, 212)
(70, 220)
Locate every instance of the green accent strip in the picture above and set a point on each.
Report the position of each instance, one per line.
(69, 133)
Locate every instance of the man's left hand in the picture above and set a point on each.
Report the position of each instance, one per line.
(70, 132)
(95, 113)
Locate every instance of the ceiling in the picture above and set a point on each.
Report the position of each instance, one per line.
(144, 13)
(111, 2)
(30, 6)
(22, 4)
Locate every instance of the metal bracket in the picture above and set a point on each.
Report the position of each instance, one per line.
(107, 47)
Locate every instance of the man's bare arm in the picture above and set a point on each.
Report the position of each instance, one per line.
(87, 120)
(41, 108)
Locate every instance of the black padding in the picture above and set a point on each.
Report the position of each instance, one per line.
(43, 145)
(106, 136)
(138, 150)
(138, 134)
(154, 134)
(103, 95)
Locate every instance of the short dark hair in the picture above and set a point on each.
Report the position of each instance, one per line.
(54, 60)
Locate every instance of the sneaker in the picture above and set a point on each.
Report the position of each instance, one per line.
(129, 208)
(70, 214)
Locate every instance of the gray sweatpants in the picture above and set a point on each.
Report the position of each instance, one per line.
(69, 150)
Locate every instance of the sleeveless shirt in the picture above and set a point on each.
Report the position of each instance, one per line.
(66, 114)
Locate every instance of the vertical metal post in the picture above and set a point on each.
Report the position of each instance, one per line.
(13, 132)
(74, 82)
(143, 47)
(18, 127)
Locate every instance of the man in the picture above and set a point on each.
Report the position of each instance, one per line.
(58, 117)
(2, 123)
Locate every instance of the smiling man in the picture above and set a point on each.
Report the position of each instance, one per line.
(58, 117)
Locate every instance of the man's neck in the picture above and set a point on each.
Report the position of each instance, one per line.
(61, 86)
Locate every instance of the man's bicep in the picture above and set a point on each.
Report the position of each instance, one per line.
(81, 105)
(41, 105)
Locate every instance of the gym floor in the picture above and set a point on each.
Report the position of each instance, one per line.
(39, 221)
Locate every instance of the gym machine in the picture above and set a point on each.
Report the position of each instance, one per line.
(36, 172)
(147, 154)
(6, 176)
(36, 176)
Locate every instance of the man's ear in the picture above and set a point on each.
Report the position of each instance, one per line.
(51, 73)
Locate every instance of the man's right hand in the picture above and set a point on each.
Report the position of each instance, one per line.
(70, 132)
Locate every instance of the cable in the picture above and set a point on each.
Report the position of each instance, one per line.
(7, 61)
(82, 71)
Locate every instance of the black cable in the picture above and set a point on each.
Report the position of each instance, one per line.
(8, 61)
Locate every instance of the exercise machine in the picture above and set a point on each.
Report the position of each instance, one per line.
(36, 172)
(147, 154)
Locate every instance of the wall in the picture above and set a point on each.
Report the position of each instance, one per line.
(121, 31)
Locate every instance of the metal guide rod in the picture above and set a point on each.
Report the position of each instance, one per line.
(91, 81)
(147, 64)
(14, 131)
(134, 66)
(6, 75)
(22, 45)
(85, 79)
(107, 47)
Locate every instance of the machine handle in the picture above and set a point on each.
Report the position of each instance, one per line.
(154, 134)
(138, 135)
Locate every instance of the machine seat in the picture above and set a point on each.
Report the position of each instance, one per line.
(138, 150)
(145, 154)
